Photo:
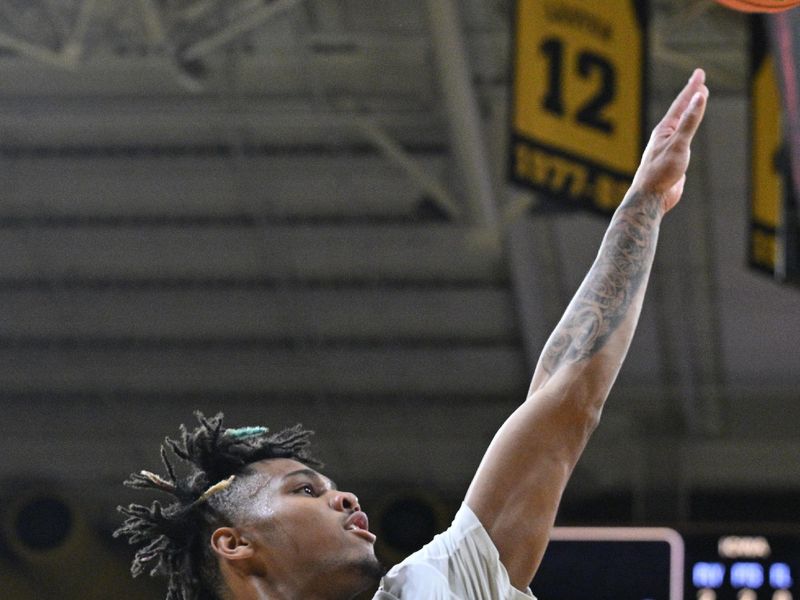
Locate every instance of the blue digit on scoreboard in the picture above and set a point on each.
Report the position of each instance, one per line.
(708, 574)
(747, 575)
(780, 576)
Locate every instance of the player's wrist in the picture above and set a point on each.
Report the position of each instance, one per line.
(650, 198)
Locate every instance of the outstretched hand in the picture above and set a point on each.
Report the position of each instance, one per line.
(662, 170)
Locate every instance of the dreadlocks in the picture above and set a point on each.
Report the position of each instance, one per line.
(175, 536)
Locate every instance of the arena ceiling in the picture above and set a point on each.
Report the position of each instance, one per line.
(266, 207)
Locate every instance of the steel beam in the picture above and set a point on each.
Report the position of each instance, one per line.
(466, 135)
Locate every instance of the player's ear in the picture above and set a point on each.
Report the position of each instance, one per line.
(229, 543)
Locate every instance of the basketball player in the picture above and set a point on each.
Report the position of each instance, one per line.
(256, 520)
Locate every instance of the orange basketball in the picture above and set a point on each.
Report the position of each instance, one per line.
(760, 6)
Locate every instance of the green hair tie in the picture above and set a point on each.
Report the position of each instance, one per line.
(246, 432)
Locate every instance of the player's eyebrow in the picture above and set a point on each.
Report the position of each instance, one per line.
(312, 474)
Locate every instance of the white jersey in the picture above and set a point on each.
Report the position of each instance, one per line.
(460, 564)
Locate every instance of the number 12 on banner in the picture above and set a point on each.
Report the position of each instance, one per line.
(591, 111)
(578, 98)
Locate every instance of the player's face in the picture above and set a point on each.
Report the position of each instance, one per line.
(304, 528)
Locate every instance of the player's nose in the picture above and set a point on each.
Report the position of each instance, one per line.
(344, 502)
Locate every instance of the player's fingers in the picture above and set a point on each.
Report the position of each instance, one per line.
(681, 102)
(692, 116)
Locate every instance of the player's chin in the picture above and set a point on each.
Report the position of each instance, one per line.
(370, 570)
(361, 553)
(356, 575)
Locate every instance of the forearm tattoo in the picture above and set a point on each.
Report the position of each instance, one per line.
(602, 302)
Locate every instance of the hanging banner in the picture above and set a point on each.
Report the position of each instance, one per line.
(775, 148)
(767, 188)
(578, 116)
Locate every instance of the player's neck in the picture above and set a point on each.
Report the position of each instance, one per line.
(259, 588)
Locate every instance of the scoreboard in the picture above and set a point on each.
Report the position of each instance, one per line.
(736, 566)
(623, 563)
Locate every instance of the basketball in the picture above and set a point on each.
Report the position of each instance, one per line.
(760, 6)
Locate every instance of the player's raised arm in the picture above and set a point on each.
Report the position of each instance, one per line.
(519, 483)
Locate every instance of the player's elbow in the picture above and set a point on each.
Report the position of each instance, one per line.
(583, 420)
(581, 406)
(591, 416)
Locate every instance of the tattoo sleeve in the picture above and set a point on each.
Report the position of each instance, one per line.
(603, 300)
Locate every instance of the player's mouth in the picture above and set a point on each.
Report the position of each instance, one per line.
(358, 523)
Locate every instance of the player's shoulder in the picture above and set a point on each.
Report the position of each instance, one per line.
(414, 580)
